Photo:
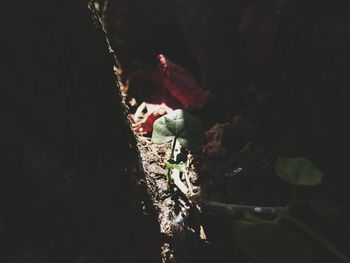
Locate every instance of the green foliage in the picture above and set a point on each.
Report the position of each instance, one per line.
(171, 164)
(298, 171)
(181, 126)
(270, 241)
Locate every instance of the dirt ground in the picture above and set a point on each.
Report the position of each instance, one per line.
(227, 180)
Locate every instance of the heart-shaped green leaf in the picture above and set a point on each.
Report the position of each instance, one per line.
(271, 242)
(298, 171)
(181, 125)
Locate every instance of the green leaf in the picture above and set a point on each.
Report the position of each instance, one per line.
(298, 171)
(181, 125)
(170, 164)
(271, 242)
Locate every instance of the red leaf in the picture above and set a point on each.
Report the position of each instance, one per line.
(180, 83)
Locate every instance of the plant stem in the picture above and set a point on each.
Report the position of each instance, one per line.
(173, 149)
(171, 157)
(317, 237)
(233, 208)
(177, 181)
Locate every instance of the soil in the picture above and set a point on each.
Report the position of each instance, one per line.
(227, 179)
(174, 210)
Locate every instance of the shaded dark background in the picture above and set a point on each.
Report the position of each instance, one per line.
(68, 162)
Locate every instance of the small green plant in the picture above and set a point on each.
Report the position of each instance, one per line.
(286, 238)
(180, 126)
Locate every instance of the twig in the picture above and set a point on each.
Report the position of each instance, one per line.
(171, 157)
(228, 208)
(177, 181)
(233, 208)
